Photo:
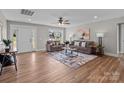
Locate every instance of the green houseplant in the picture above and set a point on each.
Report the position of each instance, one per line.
(7, 43)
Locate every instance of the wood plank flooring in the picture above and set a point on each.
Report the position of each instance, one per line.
(39, 67)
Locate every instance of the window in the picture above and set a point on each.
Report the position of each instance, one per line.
(0, 32)
(56, 34)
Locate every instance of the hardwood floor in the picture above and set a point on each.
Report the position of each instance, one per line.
(39, 67)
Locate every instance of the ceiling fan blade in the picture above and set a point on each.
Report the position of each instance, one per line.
(55, 23)
(66, 23)
(66, 20)
(61, 21)
(62, 17)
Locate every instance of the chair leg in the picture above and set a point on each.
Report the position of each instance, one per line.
(14, 56)
(15, 66)
(1, 70)
(2, 65)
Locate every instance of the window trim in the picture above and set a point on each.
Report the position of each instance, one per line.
(1, 32)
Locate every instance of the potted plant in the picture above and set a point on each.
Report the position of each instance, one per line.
(7, 43)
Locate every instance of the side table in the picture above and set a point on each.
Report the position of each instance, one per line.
(100, 51)
(5, 54)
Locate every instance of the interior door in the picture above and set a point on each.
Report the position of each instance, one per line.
(24, 40)
(122, 39)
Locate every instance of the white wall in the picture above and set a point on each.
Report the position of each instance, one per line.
(42, 37)
(4, 25)
(109, 27)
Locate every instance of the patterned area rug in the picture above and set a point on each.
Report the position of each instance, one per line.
(74, 61)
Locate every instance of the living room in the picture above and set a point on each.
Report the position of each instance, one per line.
(82, 44)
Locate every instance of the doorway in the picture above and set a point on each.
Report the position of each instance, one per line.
(25, 38)
(121, 38)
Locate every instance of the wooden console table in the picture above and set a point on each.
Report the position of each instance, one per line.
(5, 55)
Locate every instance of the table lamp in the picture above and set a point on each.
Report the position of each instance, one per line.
(100, 36)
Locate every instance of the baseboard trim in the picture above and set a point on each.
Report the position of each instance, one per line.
(111, 54)
(41, 50)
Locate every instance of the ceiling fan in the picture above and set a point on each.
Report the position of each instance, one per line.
(62, 21)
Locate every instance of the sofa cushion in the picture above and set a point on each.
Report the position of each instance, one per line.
(89, 43)
(76, 43)
(83, 44)
(51, 42)
(84, 50)
(57, 43)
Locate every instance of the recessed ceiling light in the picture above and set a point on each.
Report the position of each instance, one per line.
(95, 17)
(29, 19)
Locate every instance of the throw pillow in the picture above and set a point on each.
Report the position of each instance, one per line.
(83, 44)
(57, 43)
(76, 43)
(52, 43)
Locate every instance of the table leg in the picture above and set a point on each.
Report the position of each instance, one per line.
(77, 53)
(14, 56)
(65, 51)
(71, 52)
(2, 64)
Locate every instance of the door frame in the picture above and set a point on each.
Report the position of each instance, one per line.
(16, 28)
(19, 44)
(118, 38)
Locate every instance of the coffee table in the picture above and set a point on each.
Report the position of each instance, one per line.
(70, 51)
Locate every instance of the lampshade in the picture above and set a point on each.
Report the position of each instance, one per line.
(99, 34)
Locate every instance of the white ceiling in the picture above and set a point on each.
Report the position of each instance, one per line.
(50, 16)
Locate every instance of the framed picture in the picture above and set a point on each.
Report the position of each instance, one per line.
(0, 32)
(84, 33)
(58, 34)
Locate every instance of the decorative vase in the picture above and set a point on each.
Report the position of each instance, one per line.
(7, 49)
